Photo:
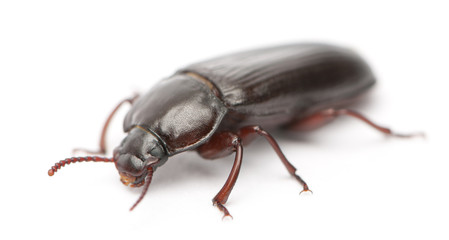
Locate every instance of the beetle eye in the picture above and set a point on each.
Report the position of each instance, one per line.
(151, 160)
(155, 151)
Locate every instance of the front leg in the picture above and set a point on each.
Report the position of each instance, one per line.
(102, 144)
(220, 145)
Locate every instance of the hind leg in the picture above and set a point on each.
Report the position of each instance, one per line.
(322, 117)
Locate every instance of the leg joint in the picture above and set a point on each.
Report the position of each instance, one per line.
(236, 141)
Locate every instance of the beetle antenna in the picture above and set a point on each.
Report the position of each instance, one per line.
(145, 187)
(62, 163)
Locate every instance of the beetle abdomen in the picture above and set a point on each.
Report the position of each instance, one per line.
(278, 83)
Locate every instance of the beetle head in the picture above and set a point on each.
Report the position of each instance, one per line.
(139, 154)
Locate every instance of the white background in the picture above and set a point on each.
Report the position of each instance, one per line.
(65, 64)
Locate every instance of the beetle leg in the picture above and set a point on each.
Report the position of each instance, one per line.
(320, 118)
(219, 145)
(102, 145)
(250, 131)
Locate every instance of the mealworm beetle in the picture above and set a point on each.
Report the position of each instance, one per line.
(218, 106)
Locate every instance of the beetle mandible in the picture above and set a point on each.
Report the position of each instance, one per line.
(218, 106)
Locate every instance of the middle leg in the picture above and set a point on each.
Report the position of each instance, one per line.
(249, 132)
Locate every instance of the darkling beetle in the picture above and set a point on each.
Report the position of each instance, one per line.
(218, 106)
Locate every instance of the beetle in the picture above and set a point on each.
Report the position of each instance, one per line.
(218, 106)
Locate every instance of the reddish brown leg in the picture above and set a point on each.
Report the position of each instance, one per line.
(317, 119)
(248, 132)
(219, 145)
(102, 145)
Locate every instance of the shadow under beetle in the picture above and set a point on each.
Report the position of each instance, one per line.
(218, 106)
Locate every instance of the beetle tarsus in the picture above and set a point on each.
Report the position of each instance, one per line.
(306, 191)
(223, 209)
(411, 135)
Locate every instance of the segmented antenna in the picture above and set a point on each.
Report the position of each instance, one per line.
(62, 163)
(145, 187)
